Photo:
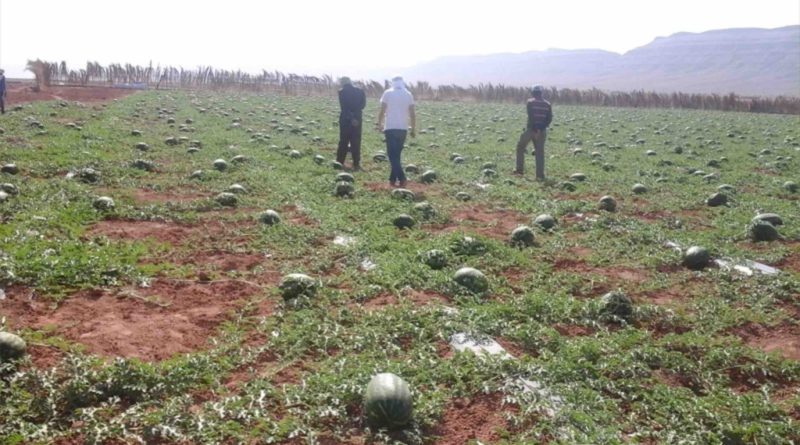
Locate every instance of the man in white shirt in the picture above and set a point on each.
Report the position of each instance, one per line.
(397, 110)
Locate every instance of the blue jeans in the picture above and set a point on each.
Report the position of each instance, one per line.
(394, 147)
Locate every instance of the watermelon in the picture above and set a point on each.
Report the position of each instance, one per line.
(696, 258)
(617, 304)
(344, 176)
(454, 156)
(425, 209)
(192, 150)
(379, 157)
(435, 259)
(136, 132)
(11, 189)
(403, 194)
(404, 221)
(458, 160)
(88, 175)
(472, 279)
(468, 246)
(294, 154)
(639, 189)
(717, 199)
(411, 168)
(489, 173)
(296, 285)
(269, 217)
(238, 189)
(143, 164)
(3, 196)
(387, 403)
(762, 230)
(11, 169)
(545, 221)
(319, 159)
(103, 203)
(791, 186)
(197, 174)
(429, 176)
(489, 166)
(771, 218)
(579, 177)
(726, 188)
(337, 165)
(239, 159)
(142, 146)
(463, 196)
(220, 165)
(344, 189)
(11, 346)
(227, 199)
(607, 203)
(522, 236)
(567, 186)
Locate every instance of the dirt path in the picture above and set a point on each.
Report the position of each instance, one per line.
(20, 92)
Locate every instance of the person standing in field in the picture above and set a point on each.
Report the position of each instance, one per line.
(397, 112)
(352, 101)
(540, 114)
(2, 92)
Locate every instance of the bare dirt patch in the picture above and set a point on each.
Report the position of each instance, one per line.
(783, 339)
(165, 232)
(416, 297)
(580, 252)
(573, 330)
(155, 323)
(790, 263)
(490, 222)
(169, 232)
(295, 215)
(477, 418)
(615, 275)
(20, 92)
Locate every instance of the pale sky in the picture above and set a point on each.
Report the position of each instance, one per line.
(352, 37)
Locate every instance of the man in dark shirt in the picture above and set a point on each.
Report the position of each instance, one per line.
(540, 114)
(2, 92)
(352, 101)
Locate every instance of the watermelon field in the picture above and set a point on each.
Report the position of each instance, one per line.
(150, 297)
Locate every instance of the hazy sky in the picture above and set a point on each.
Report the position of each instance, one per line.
(314, 36)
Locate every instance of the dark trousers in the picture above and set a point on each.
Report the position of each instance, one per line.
(2, 104)
(394, 147)
(349, 140)
(537, 137)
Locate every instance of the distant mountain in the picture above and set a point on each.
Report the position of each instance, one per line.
(747, 61)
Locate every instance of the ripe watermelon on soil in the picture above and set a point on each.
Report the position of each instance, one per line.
(387, 402)
(472, 279)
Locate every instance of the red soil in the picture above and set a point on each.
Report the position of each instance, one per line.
(493, 223)
(783, 339)
(417, 298)
(467, 419)
(20, 92)
(571, 330)
(155, 323)
(619, 275)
